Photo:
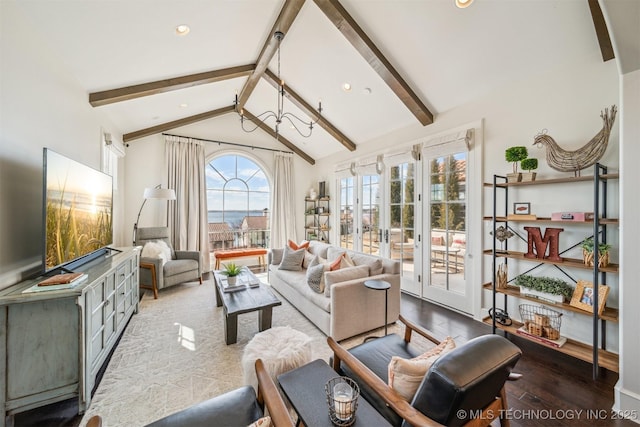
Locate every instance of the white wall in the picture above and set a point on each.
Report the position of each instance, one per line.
(41, 105)
(627, 393)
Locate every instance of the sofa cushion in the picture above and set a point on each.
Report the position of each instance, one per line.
(319, 248)
(298, 281)
(405, 375)
(178, 266)
(374, 262)
(342, 275)
(292, 259)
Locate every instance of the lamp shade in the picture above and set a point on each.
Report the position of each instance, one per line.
(159, 193)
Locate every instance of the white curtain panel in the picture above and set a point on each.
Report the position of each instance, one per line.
(188, 215)
(283, 201)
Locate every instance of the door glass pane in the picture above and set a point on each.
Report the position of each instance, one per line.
(447, 210)
(401, 215)
(371, 214)
(346, 212)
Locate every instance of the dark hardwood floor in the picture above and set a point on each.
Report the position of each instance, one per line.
(556, 389)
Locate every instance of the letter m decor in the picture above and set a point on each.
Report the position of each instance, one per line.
(550, 240)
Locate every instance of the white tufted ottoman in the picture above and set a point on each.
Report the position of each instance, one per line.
(281, 349)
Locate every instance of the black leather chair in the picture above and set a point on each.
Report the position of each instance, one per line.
(470, 379)
(237, 408)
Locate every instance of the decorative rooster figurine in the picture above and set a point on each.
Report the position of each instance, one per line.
(573, 161)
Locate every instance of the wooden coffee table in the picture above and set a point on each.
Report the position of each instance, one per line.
(304, 387)
(259, 298)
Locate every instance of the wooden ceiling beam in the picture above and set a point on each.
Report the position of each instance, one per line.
(363, 44)
(110, 96)
(284, 141)
(287, 15)
(602, 32)
(177, 123)
(297, 100)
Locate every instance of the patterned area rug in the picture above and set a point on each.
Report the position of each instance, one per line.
(172, 355)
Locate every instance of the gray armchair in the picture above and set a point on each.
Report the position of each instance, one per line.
(183, 266)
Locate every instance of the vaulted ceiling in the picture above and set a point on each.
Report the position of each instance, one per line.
(406, 60)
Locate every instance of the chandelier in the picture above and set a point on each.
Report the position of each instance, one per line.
(296, 122)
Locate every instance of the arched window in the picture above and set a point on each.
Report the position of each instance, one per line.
(238, 197)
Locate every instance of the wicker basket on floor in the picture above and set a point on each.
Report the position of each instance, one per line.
(541, 321)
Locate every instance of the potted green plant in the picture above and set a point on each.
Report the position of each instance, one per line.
(545, 288)
(588, 252)
(515, 155)
(231, 270)
(528, 165)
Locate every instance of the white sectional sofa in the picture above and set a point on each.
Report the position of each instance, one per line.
(347, 307)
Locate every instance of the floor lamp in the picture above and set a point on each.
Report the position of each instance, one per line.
(153, 193)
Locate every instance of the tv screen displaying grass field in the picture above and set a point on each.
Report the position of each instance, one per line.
(78, 210)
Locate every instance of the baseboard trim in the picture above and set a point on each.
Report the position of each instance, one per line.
(626, 403)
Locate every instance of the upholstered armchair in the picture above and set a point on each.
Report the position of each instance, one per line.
(463, 387)
(182, 267)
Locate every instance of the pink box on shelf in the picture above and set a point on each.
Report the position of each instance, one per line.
(572, 216)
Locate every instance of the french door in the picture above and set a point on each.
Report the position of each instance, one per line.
(445, 184)
(401, 231)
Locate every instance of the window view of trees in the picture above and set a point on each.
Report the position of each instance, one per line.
(402, 211)
(448, 193)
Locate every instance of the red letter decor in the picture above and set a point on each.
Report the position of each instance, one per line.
(534, 238)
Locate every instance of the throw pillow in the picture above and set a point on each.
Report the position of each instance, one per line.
(315, 275)
(303, 245)
(336, 264)
(405, 376)
(346, 261)
(308, 257)
(262, 422)
(157, 249)
(292, 260)
(351, 273)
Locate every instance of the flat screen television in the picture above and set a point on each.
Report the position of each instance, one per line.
(77, 212)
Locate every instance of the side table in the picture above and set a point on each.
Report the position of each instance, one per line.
(380, 285)
(153, 286)
(304, 387)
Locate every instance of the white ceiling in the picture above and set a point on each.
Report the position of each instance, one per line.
(448, 56)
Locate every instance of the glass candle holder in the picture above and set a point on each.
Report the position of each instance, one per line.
(342, 399)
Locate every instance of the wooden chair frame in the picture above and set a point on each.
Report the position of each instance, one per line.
(495, 409)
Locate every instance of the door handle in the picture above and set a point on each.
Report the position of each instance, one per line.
(386, 236)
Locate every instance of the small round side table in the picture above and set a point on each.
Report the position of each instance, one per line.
(380, 285)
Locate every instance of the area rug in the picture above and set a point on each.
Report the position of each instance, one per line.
(173, 355)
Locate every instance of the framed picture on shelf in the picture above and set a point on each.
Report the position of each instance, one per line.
(583, 297)
(522, 208)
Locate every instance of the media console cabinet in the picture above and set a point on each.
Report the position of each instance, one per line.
(53, 343)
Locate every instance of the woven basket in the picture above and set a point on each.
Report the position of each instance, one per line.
(541, 321)
(603, 259)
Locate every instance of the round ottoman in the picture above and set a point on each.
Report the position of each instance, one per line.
(281, 349)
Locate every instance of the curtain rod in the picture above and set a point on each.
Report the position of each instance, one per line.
(229, 143)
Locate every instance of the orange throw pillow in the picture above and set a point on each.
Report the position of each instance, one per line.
(335, 265)
(293, 245)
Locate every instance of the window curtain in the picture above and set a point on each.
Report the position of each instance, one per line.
(188, 215)
(282, 222)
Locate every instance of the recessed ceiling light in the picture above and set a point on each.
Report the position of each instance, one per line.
(366, 91)
(184, 105)
(346, 87)
(463, 3)
(182, 30)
